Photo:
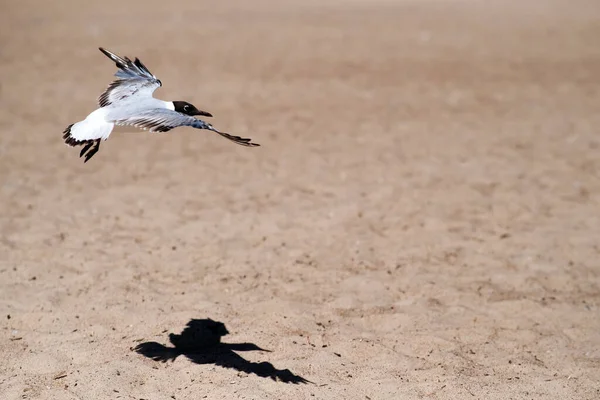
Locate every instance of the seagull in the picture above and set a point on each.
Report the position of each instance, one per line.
(128, 101)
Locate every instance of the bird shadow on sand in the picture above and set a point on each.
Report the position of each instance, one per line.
(201, 343)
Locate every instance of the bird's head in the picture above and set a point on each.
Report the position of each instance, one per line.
(189, 109)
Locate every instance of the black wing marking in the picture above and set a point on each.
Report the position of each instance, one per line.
(163, 120)
(134, 78)
(128, 69)
(147, 123)
(236, 139)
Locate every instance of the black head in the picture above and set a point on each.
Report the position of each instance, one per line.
(189, 109)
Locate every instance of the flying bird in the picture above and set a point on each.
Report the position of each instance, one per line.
(128, 101)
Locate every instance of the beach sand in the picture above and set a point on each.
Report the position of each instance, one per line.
(421, 221)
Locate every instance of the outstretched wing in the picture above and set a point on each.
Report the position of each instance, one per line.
(135, 81)
(163, 120)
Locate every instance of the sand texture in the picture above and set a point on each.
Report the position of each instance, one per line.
(422, 220)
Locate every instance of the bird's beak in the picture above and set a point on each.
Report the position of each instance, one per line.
(203, 113)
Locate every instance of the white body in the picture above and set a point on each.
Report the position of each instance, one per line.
(100, 123)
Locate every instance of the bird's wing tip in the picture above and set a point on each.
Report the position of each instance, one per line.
(111, 55)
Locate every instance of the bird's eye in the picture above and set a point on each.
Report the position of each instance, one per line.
(186, 108)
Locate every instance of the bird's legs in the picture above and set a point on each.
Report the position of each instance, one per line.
(92, 150)
(85, 148)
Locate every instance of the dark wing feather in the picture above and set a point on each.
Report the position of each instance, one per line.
(163, 120)
(134, 78)
(103, 100)
(237, 139)
(127, 68)
(148, 123)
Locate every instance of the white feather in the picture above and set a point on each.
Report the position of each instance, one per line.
(93, 127)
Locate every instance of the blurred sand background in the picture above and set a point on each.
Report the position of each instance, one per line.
(422, 220)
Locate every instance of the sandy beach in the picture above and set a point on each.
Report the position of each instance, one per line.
(421, 221)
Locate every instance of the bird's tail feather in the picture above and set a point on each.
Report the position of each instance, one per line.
(71, 139)
(87, 133)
